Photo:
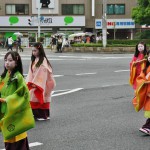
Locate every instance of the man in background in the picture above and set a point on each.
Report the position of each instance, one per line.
(10, 43)
(18, 46)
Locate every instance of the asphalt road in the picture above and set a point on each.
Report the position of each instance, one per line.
(91, 105)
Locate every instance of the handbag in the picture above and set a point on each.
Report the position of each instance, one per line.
(18, 123)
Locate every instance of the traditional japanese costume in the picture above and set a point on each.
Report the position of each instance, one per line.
(40, 82)
(135, 70)
(141, 100)
(16, 115)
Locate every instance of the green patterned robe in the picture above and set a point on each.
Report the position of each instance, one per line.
(15, 115)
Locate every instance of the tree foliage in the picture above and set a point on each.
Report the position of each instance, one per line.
(141, 13)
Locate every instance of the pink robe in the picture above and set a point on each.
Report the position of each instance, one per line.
(43, 80)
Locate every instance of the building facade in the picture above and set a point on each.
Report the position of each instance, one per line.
(65, 16)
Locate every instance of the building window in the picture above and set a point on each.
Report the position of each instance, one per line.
(18, 9)
(72, 9)
(115, 9)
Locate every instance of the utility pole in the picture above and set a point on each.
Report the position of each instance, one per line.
(104, 23)
(39, 7)
(114, 30)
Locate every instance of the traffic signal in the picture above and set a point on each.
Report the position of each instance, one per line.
(30, 22)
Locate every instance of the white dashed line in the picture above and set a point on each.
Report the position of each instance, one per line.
(55, 76)
(122, 70)
(80, 74)
(35, 144)
(67, 92)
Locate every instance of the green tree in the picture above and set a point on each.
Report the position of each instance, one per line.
(141, 13)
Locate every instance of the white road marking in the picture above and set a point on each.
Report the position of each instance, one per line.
(109, 85)
(71, 57)
(62, 90)
(54, 75)
(67, 92)
(35, 144)
(26, 58)
(32, 144)
(58, 76)
(122, 70)
(80, 74)
(93, 57)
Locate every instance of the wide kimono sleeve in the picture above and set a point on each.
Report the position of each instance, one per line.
(141, 92)
(39, 81)
(42, 83)
(135, 70)
(16, 110)
(19, 99)
(132, 71)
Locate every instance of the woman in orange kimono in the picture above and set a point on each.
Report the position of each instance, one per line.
(138, 63)
(40, 82)
(142, 98)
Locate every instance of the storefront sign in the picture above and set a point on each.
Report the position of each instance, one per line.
(46, 21)
(116, 23)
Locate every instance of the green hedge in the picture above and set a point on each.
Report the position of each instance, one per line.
(87, 45)
(128, 42)
(112, 43)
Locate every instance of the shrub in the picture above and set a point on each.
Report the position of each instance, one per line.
(113, 43)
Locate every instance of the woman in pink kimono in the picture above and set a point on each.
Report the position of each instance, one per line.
(40, 82)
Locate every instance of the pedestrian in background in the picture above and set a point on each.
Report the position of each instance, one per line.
(137, 63)
(54, 43)
(10, 43)
(18, 44)
(16, 115)
(40, 82)
(59, 44)
(142, 95)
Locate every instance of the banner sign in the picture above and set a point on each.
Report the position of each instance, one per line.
(116, 24)
(52, 21)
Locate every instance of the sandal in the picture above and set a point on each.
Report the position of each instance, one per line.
(145, 130)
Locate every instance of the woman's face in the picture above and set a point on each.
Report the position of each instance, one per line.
(140, 47)
(10, 64)
(35, 52)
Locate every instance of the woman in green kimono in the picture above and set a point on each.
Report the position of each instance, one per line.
(15, 112)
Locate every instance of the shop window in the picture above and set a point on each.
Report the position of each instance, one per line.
(115, 9)
(17, 9)
(72, 9)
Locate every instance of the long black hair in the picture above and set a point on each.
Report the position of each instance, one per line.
(147, 63)
(16, 57)
(137, 51)
(42, 54)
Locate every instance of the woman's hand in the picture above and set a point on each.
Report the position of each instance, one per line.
(2, 100)
(140, 61)
(147, 76)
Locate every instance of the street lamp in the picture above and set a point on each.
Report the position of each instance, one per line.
(104, 23)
